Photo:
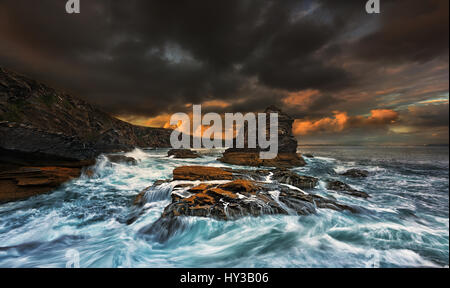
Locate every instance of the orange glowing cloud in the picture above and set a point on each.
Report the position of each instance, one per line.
(300, 98)
(382, 116)
(216, 103)
(341, 121)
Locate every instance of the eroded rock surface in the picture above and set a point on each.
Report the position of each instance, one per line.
(231, 200)
(287, 156)
(241, 198)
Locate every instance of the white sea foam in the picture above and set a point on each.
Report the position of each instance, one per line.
(89, 215)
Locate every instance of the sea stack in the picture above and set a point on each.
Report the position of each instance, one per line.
(287, 147)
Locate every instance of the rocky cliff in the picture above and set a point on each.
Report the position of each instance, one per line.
(41, 127)
(37, 118)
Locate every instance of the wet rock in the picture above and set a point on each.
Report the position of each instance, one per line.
(250, 157)
(142, 198)
(121, 159)
(202, 173)
(292, 178)
(183, 154)
(341, 187)
(25, 182)
(257, 175)
(356, 173)
(308, 155)
(240, 198)
(163, 229)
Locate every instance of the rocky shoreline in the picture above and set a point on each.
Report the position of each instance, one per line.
(48, 136)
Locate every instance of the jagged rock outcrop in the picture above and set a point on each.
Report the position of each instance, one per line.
(37, 118)
(287, 156)
(235, 198)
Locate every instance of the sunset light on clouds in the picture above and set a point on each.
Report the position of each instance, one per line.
(341, 77)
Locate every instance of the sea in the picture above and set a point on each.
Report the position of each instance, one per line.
(405, 222)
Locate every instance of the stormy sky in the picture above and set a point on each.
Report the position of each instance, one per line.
(346, 76)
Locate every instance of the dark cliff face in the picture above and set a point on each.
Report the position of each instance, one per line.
(35, 118)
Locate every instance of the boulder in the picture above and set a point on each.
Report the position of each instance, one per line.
(183, 154)
(121, 159)
(291, 178)
(341, 187)
(356, 173)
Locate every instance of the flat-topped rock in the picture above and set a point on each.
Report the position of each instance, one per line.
(202, 173)
(25, 182)
(248, 157)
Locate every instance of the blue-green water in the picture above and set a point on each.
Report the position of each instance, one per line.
(404, 224)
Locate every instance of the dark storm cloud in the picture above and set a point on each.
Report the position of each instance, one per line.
(147, 58)
(411, 30)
